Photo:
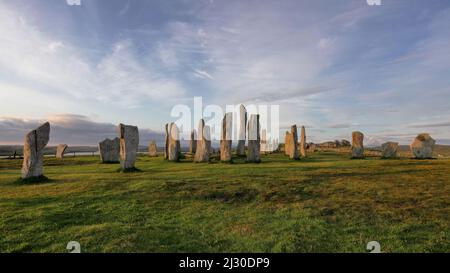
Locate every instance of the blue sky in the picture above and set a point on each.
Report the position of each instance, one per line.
(333, 66)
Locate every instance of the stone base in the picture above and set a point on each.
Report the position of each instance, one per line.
(35, 179)
(130, 170)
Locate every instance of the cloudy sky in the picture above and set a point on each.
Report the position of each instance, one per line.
(333, 66)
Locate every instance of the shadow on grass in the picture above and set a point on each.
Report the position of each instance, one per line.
(39, 180)
(109, 162)
(130, 170)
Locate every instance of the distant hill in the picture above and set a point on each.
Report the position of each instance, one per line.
(440, 151)
(404, 151)
(7, 150)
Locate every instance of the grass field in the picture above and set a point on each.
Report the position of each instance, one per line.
(326, 203)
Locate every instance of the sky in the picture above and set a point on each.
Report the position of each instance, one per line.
(332, 66)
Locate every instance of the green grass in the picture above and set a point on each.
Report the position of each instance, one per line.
(326, 203)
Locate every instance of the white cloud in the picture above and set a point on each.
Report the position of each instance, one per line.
(203, 74)
(120, 77)
(53, 46)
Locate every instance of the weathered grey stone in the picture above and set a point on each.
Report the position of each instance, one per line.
(240, 150)
(422, 146)
(208, 141)
(129, 144)
(203, 143)
(109, 150)
(264, 144)
(275, 146)
(226, 137)
(174, 143)
(303, 142)
(193, 142)
(152, 149)
(60, 150)
(166, 144)
(269, 146)
(33, 156)
(254, 139)
(357, 145)
(389, 150)
(293, 143)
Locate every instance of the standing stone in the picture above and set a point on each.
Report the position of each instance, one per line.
(254, 140)
(33, 155)
(226, 139)
(303, 142)
(166, 144)
(264, 144)
(208, 141)
(293, 143)
(174, 143)
(129, 144)
(287, 139)
(109, 150)
(242, 131)
(275, 146)
(389, 150)
(422, 147)
(193, 142)
(357, 145)
(203, 143)
(60, 150)
(152, 149)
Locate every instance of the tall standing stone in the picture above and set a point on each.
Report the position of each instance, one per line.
(357, 145)
(254, 140)
(193, 142)
(174, 143)
(303, 142)
(240, 150)
(422, 146)
(60, 150)
(287, 139)
(203, 143)
(109, 150)
(264, 143)
(166, 143)
(389, 150)
(226, 137)
(33, 151)
(152, 149)
(209, 141)
(129, 144)
(293, 143)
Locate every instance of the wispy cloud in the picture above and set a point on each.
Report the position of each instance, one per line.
(120, 76)
(430, 125)
(203, 74)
